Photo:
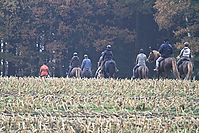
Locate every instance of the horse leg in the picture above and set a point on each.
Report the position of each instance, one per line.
(159, 75)
(166, 74)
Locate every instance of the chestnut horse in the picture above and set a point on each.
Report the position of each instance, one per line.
(165, 66)
(76, 72)
(142, 72)
(186, 69)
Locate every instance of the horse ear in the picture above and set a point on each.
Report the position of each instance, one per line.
(150, 48)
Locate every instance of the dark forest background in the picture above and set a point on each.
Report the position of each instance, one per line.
(52, 30)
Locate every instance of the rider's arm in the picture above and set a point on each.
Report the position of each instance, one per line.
(181, 52)
(190, 56)
(137, 59)
(171, 49)
(82, 64)
(160, 49)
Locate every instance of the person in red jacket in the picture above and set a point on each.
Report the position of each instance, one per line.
(44, 70)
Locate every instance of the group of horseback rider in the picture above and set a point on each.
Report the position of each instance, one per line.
(86, 63)
(75, 62)
(166, 51)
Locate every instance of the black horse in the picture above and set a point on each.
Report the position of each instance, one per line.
(109, 70)
(86, 73)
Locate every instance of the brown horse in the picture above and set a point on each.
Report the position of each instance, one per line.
(166, 65)
(186, 69)
(76, 72)
(142, 72)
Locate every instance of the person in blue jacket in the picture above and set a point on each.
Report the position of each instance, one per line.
(86, 64)
(107, 55)
(165, 50)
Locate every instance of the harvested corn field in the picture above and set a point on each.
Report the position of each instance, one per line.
(98, 105)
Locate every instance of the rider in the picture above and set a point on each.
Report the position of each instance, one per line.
(86, 64)
(106, 56)
(44, 70)
(75, 62)
(140, 60)
(165, 50)
(185, 54)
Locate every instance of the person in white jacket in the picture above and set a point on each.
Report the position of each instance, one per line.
(185, 54)
(140, 60)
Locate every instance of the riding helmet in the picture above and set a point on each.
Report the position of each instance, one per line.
(75, 54)
(109, 46)
(166, 39)
(186, 44)
(85, 55)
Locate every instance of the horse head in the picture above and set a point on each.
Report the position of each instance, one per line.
(153, 55)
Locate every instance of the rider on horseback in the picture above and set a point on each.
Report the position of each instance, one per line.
(165, 50)
(185, 54)
(75, 62)
(86, 64)
(106, 56)
(140, 60)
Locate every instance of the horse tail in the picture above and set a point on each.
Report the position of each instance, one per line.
(144, 72)
(190, 70)
(175, 69)
(77, 73)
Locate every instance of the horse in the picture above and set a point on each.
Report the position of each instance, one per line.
(168, 64)
(76, 72)
(186, 69)
(109, 70)
(142, 72)
(86, 73)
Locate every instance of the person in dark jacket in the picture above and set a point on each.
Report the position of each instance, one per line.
(108, 54)
(86, 64)
(74, 62)
(165, 50)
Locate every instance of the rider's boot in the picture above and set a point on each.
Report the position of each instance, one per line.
(156, 69)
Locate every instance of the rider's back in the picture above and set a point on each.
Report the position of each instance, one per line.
(75, 62)
(141, 59)
(107, 55)
(166, 50)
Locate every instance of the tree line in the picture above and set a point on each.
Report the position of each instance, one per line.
(52, 30)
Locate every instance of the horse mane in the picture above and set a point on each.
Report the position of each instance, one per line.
(156, 53)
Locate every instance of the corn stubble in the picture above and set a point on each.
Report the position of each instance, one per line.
(98, 105)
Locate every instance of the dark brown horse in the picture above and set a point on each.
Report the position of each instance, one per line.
(186, 69)
(86, 73)
(166, 65)
(142, 72)
(109, 72)
(76, 72)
